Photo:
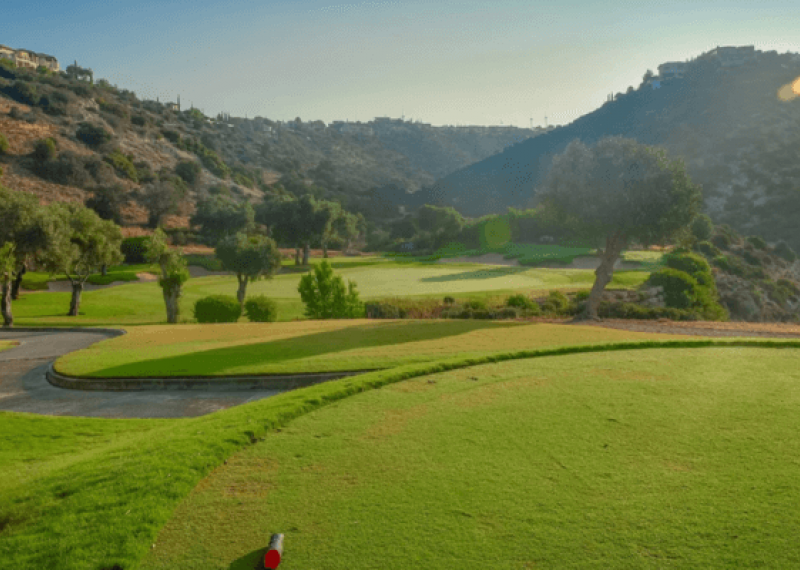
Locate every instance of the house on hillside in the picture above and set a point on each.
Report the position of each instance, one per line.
(672, 70)
(28, 58)
(731, 56)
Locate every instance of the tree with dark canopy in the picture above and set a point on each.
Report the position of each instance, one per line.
(615, 192)
(250, 258)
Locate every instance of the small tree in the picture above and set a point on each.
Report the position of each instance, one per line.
(250, 258)
(617, 191)
(107, 202)
(25, 225)
(326, 297)
(219, 216)
(161, 199)
(88, 244)
(173, 272)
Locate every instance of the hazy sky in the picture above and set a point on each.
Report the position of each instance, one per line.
(441, 62)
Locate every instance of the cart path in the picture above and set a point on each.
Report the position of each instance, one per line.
(24, 388)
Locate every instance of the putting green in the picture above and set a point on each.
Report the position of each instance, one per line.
(317, 346)
(680, 458)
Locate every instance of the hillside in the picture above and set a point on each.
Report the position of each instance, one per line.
(145, 142)
(722, 116)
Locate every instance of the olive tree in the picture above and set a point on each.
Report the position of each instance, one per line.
(220, 216)
(31, 231)
(89, 244)
(615, 192)
(173, 272)
(250, 258)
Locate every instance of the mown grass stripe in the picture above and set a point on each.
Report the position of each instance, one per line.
(109, 507)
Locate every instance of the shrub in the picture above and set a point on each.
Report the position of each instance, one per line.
(92, 135)
(701, 227)
(449, 300)
(693, 264)
(171, 136)
(383, 311)
(326, 297)
(217, 309)
(44, 149)
(189, 171)
(722, 241)
(632, 311)
(680, 288)
(556, 304)
(757, 242)
(261, 309)
(708, 249)
(4, 146)
(138, 120)
(783, 251)
(23, 92)
(68, 169)
(123, 165)
(134, 249)
(751, 258)
(520, 301)
(477, 305)
(507, 313)
(115, 109)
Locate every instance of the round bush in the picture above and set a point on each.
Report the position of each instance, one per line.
(693, 264)
(520, 302)
(708, 249)
(680, 288)
(261, 309)
(758, 242)
(92, 135)
(217, 309)
(44, 149)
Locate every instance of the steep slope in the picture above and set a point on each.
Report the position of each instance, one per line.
(737, 138)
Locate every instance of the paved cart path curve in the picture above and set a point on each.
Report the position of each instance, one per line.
(24, 388)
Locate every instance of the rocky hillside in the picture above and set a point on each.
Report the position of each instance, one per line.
(738, 138)
(139, 144)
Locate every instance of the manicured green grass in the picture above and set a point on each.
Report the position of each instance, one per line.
(6, 344)
(36, 281)
(526, 253)
(106, 499)
(656, 459)
(316, 346)
(142, 303)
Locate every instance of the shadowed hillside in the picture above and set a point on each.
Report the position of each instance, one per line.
(725, 120)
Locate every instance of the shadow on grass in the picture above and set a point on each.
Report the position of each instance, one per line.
(250, 561)
(477, 274)
(219, 361)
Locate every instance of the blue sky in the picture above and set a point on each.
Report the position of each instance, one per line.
(440, 62)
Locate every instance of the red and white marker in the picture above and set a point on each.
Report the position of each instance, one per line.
(273, 556)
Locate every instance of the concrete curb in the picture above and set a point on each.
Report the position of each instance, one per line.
(112, 332)
(216, 384)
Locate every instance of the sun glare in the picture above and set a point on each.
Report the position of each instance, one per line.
(796, 86)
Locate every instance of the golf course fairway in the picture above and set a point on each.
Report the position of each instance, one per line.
(656, 458)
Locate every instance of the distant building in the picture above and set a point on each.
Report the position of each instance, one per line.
(28, 58)
(730, 56)
(672, 69)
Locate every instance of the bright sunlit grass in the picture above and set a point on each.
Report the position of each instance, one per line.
(316, 346)
(142, 303)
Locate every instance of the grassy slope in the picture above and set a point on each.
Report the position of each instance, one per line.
(315, 346)
(661, 459)
(142, 303)
(106, 501)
